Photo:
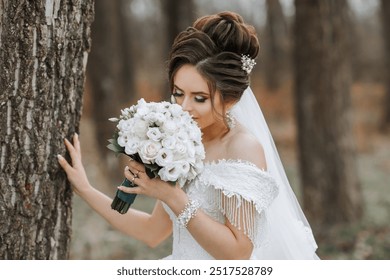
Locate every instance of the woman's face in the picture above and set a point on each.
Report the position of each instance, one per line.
(191, 91)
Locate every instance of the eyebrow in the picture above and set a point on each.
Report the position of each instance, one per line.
(194, 92)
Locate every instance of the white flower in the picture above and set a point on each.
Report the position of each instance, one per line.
(169, 142)
(182, 136)
(151, 117)
(195, 134)
(170, 126)
(125, 125)
(164, 135)
(154, 134)
(131, 147)
(170, 172)
(199, 151)
(176, 110)
(122, 140)
(149, 151)
(164, 157)
(140, 128)
(180, 148)
(185, 167)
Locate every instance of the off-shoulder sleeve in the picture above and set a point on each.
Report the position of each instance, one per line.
(242, 193)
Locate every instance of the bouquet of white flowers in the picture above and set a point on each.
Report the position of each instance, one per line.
(164, 138)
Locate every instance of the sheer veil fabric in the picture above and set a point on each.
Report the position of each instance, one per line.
(289, 235)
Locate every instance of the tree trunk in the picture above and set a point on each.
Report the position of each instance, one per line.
(276, 32)
(44, 49)
(331, 190)
(178, 14)
(110, 74)
(386, 35)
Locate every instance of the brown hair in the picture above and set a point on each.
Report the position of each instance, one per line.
(214, 45)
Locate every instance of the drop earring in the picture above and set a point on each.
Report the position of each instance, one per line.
(230, 120)
(173, 99)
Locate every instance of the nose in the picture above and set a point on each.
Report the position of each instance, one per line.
(186, 104)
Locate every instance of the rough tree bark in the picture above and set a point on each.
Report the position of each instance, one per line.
(44, 49)
(331, 190)
(386, 35)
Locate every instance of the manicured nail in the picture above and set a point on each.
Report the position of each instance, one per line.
(59, 157)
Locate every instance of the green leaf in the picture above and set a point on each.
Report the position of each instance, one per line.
(115, 148)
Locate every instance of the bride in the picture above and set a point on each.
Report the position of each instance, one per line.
(241, 206)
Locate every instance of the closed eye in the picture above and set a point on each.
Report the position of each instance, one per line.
(177, 94)
(200, 99)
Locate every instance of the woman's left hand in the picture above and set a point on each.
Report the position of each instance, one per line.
(156, 188)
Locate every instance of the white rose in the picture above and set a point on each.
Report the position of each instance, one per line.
(182, 136)
(195, 134)
(161, 118)
(142, 108)
(122, 140)
(169, 127)
(140, 128)
(164, 157)
(185, 167)
(131, 147)
(125, 125)
(169, 142)
(149, 151)
(169, 173)
(199, 151)
(190, 149)
(154, 134)
(175, 110)
(180, 148)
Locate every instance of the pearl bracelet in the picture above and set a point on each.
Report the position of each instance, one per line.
(188, 213)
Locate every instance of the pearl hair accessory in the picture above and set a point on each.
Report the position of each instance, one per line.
(247, 63)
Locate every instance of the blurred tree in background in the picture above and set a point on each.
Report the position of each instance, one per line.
(331, 188)
(386, 34)
(178, 14)
(276, 37)
(44, 50)
(110, 72)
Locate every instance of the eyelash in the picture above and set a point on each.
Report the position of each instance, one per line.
(198, 99)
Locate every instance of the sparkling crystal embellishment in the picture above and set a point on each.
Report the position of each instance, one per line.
(247, 63)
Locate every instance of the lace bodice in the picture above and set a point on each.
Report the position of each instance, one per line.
(232, 189)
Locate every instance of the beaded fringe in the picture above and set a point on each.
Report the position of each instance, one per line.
(241, 213)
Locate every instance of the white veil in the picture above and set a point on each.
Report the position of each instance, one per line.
(290, 235)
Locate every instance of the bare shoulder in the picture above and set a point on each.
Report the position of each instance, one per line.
(243, 145)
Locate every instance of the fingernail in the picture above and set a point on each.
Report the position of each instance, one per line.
(59, 157)
(76, 134)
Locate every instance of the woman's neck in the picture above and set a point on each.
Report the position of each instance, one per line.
(214, 132)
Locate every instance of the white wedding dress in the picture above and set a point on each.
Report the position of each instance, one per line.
(259, 202)
(225, 189)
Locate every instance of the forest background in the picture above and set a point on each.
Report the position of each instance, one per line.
(322, 79)
(146, 38)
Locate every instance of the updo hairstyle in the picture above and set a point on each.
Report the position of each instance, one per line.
(214, 45)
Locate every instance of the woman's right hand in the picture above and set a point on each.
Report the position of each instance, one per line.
(75, 172)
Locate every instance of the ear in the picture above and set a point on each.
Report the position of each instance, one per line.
(230, 105)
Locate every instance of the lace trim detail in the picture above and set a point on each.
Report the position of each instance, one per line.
(241, 199)
(242, 214)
